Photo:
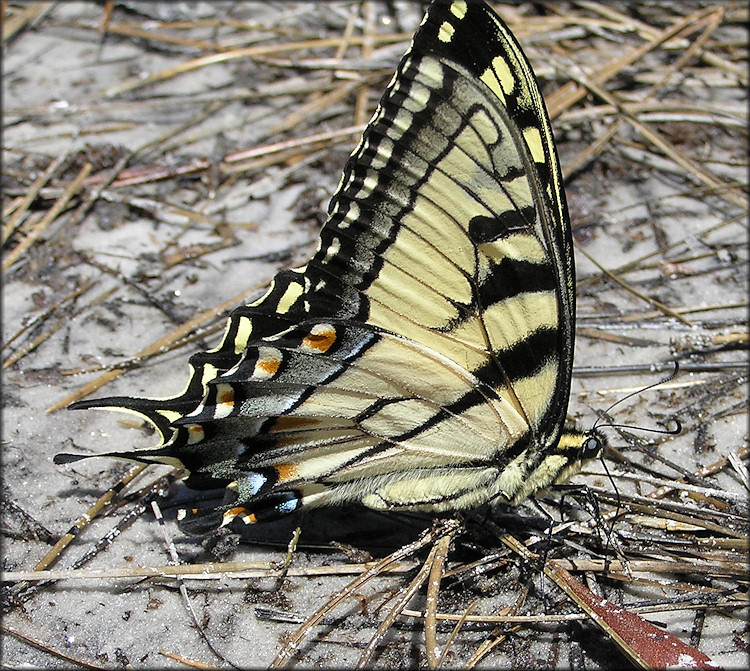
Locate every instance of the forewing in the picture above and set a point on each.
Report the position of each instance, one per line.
(449, 225)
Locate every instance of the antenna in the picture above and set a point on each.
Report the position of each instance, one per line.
(678, 425)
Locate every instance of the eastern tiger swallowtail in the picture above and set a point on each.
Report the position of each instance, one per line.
(422, 359)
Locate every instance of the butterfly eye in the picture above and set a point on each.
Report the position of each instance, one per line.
(592, 446)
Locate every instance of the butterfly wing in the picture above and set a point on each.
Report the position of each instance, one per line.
(422, 358)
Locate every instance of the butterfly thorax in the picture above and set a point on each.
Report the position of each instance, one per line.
(539, 467)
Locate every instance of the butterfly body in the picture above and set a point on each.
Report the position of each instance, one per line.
(421, 359)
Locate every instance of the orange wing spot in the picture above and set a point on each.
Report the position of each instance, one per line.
(269, 366)
(286, 472)
(288, 423)
(226, 396)
(196, 433)
(320, 338)
(232, 513)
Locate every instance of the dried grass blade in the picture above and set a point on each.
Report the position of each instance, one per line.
(321, 102)
(368, 33)
(81, 523)
(48, 218)
(30, 346)
(294, 143)
(661, 251)
(569, 94)
(711, 469)
(397, 609)
(30, 195)
(239, 570)
(161, 344)
(431, 601)
(647, 646)
(149, 35)
(427, 537)
(657, 304)
(12, 24)
(186, 661)
(85, 286)
(172, 551)
(498, 635)
(246, 52)
(52, 651)
(463, 618)
(668, 149)
(712, 23)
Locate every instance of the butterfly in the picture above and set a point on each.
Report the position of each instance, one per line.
(422, 359)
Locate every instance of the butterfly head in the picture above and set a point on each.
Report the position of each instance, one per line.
(578, 446)
(589, 443)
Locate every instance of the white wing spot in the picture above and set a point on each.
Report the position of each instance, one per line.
(504, 74)
(419, 98)
(458, 9)
(445, 34)
(351, 215)
(430, 69)
(534, 141)
(224, 401)
(333, 249)
(292, 293)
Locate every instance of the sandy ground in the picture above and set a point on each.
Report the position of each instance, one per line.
(100, 285)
